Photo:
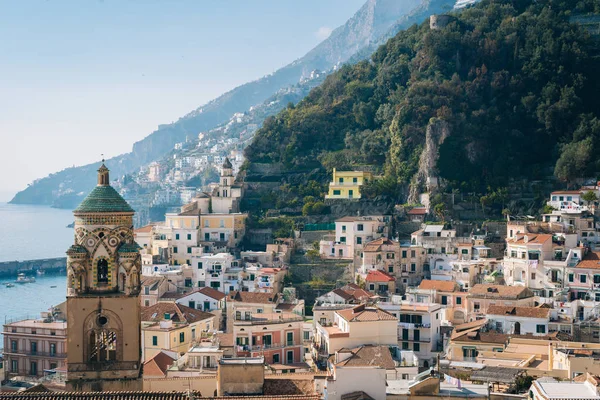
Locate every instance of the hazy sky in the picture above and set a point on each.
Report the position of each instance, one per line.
(79, 78)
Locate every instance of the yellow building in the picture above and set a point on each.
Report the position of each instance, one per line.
(346, 184)
(222, 231)
(171, 326)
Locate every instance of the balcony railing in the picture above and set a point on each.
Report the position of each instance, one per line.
(420, 340)
(30, 353)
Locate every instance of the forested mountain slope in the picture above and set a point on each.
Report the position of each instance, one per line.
(512, 84)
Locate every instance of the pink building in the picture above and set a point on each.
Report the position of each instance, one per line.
(276, 336)
(32, 347)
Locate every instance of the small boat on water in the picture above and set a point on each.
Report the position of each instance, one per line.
(52, 287)
(22, 278)
(41, 272)
(9, 285)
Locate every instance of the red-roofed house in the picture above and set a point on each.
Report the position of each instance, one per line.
(417, 214)
(381, 254)
(380, 282)
(157, 366)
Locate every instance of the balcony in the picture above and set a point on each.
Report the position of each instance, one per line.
(420, 340)
(30, 353)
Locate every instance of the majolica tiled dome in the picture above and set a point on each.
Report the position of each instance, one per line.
(104, 198)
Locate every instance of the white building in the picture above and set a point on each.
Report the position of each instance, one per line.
(351, 234)
(551, 389)
(519, 320)
(418, 327)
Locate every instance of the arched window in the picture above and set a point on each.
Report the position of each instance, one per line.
(102, 271)
(102, 346)
(122, 281)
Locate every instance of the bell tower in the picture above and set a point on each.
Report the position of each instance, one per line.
(103, 285)
(226, 180)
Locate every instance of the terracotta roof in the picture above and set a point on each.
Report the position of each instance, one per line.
(225, 339)
(418, 211)
(528, 312)
(212, 293)
(470, 325)
(157, 366)
(174, 295)
(145, 229)
(252, 297)
(442, 286)
(532, 238)
(364, 314)
(194, 212)
(368, 356)
(500, 291)
(358, 395)
(590, 261)
(286, 306)
(376, 244)
(287, 385)
(475, 335)
(177, 312)
(379, 276)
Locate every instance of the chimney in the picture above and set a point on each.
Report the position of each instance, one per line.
(526, 238)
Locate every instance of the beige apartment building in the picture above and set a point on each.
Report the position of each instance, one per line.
(34, 346)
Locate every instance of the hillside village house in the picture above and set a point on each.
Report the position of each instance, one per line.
(381, 254)
(276, 336)
(418, 327)
(351, 235)
(482, 296)
(259, 303)
(446, 293)
(205, 299)
(380, 282)
(153, 288)
(171, 326)
(567, 200)
(346, 184)
(519, 320)
(354, 327)
(221, 232)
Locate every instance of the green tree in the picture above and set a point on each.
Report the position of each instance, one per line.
(590, 198)
(573, 160)
(440, 211)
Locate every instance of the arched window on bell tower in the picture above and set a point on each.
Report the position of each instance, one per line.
(102, 271)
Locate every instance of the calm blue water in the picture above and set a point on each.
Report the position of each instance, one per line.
(27, 300)
(32, 232)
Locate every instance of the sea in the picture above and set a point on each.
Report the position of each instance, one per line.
(27, 233)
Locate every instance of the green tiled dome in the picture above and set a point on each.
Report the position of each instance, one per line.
(129, 248)
(77, 249)
(103, 199)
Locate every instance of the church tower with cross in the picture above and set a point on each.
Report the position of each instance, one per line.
(103, 285)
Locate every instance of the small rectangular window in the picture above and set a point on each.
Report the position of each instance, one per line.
(540, 328)
(337, 192)
(177, 236)
(189, 236)
(181, 337)
(154, 340)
